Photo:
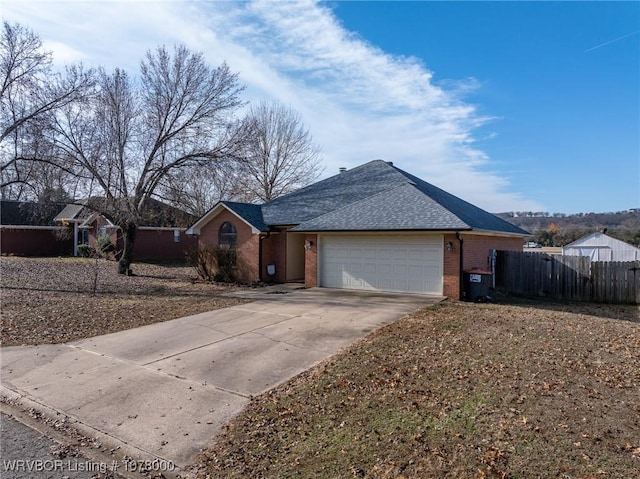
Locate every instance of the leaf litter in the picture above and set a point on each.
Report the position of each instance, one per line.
(528, 389)
(55, 300)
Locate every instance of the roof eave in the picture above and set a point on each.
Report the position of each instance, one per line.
(501, 233)
(379, 230)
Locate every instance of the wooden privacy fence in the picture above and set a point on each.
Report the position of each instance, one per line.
(573, 278)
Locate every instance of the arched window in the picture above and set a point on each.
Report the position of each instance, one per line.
(227, 235)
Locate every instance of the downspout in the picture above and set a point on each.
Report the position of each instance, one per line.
(461, 272)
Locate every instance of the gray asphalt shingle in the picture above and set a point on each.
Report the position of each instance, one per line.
(333, 193)
(375, 196)
(250, 212)
(401, 208)
(476, 218)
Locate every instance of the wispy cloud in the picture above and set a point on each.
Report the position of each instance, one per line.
(359, 102)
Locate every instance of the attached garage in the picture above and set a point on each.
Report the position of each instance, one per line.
(372, 228)
(406, 263)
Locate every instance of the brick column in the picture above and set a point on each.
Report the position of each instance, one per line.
(451, 270)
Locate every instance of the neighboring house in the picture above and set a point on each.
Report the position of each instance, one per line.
(600, 247)
(161, 237)
(374, 227)
(28, 229)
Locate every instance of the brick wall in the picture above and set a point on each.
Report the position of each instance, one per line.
(311, 262)
(477, 248)
(475, 255)
(161, 245)
(151, 244)
(34, 242)
(273, 252)
(451, 267)
(247, 246)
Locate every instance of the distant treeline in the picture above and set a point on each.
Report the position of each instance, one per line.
(559, 229)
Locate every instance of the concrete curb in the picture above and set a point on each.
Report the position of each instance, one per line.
(18, 405)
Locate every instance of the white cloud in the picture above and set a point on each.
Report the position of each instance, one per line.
(359, 102)
(63, 52)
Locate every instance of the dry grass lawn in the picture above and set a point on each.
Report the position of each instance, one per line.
(533, 390)
(529, 389)
(54, 300)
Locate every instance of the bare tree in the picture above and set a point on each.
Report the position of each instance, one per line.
(128, 137)
(196, 189)
(279, 153)
(29, 92)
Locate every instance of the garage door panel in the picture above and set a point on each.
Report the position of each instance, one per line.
(417, 271)
(400, 270)
(370, 253)
(415, 255)
(355, 269)
(400, 254)
(381, 262)
(369, 269)
(341, 253)
(384, 269)
(384, 252)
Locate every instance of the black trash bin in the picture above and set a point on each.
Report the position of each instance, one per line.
(476, 285)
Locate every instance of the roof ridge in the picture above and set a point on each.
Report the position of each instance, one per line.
(240, 203)
(333, 178)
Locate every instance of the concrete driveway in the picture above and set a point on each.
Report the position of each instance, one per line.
(165, 390)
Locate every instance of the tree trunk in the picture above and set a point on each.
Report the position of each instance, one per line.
(129, 238)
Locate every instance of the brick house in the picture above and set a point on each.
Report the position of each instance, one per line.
(374, 227)
(162, 236)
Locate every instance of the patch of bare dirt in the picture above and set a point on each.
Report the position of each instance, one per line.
(54, 300)
(456, 391)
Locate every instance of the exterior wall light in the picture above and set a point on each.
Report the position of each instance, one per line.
(449, 245)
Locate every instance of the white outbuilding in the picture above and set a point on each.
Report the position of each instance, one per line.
(600, 247)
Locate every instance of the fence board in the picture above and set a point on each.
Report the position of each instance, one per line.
(573, 278)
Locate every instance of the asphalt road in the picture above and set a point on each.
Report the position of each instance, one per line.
(28, 454)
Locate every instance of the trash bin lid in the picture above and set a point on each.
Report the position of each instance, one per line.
(478, 271)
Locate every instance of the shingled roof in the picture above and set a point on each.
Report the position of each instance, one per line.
(395, 200)
(375, 196)
(28, 213)
(400, 208)
(333, 193)
(250, 212)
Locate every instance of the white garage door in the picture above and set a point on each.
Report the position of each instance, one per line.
(385, 263)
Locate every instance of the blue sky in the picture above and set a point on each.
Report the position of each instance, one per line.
(510, 105)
